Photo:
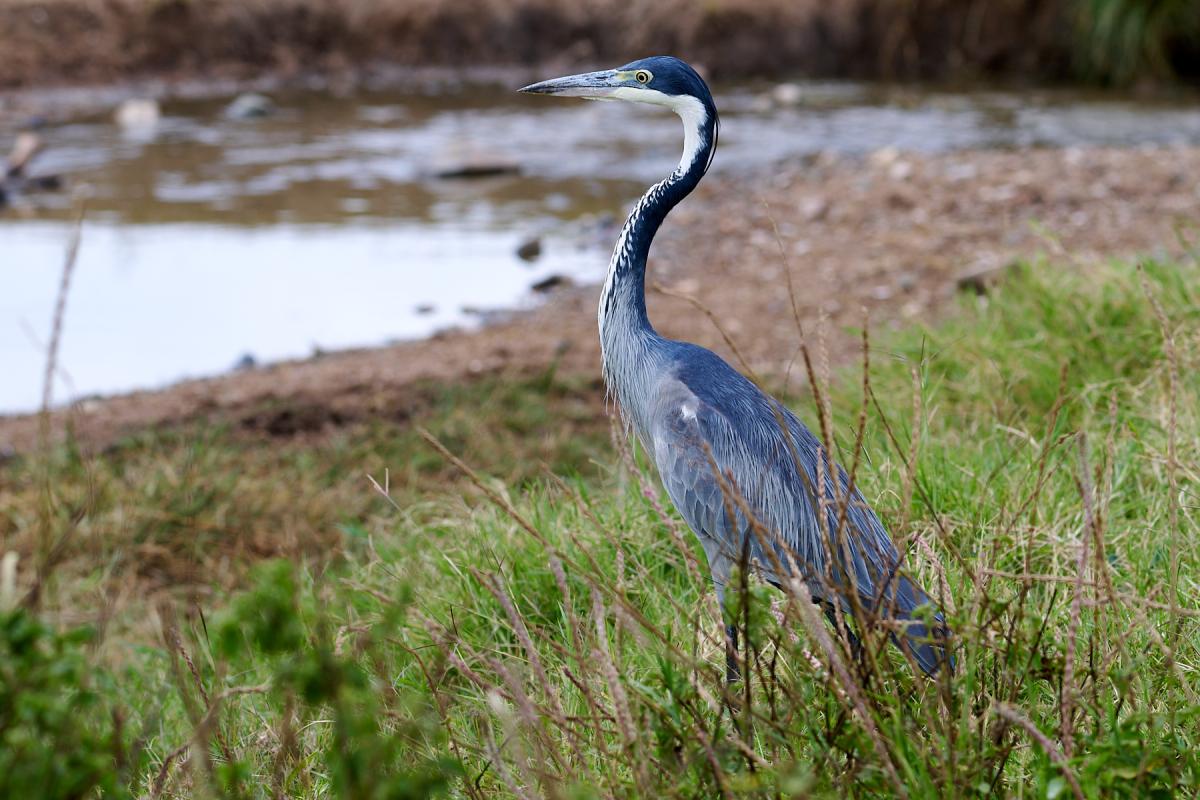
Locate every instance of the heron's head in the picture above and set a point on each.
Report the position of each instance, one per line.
(658, 80)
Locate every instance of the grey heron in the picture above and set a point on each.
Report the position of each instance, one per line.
(712, 432)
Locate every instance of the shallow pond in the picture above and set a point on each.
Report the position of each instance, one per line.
(212, 241)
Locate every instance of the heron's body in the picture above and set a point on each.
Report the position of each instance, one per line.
(730, 455)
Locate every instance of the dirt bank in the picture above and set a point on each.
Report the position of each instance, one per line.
(54, 41)
(892, 234)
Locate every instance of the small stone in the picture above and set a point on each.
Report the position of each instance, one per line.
(138, 114)
(885, 156)
(530, 249)
(250, 106)
(787, 94)
(551, 283)
(476, 166)
(43, 183)
(27, 145)
(900, 171)
(982, 278)
(814, 209)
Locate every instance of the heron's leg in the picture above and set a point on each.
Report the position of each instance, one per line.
(732, 671)
(720, 566)
(843, 630)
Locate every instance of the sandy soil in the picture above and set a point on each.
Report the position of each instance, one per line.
(893, 234)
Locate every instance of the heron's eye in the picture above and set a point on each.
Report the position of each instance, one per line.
(642, 76)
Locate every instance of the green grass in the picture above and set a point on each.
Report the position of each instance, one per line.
(195, 507)
(525, 635)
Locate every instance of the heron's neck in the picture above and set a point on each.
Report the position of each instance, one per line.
(624, 326)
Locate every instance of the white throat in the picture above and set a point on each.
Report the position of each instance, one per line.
(689, 109)
(694, 116)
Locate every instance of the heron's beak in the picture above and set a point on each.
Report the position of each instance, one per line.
(592, 85)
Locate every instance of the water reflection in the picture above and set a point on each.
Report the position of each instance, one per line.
(145, 310)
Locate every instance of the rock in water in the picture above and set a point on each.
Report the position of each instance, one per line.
(476, 167)
(787, 94)
(530, 249)
(250, 106)
(44, 183)
(138, 114)
(27, 145)
(551, 283)
(470, 159)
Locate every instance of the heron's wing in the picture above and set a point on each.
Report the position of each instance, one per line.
(724, 458)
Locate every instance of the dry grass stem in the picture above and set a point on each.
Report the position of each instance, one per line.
(1014, 716)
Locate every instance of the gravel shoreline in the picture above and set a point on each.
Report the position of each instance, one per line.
(894, 235)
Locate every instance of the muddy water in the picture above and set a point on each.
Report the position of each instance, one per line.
(213, 241)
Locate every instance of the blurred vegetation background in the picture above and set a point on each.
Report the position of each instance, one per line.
(1117, 42)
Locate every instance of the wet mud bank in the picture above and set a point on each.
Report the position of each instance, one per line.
(895, 235)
